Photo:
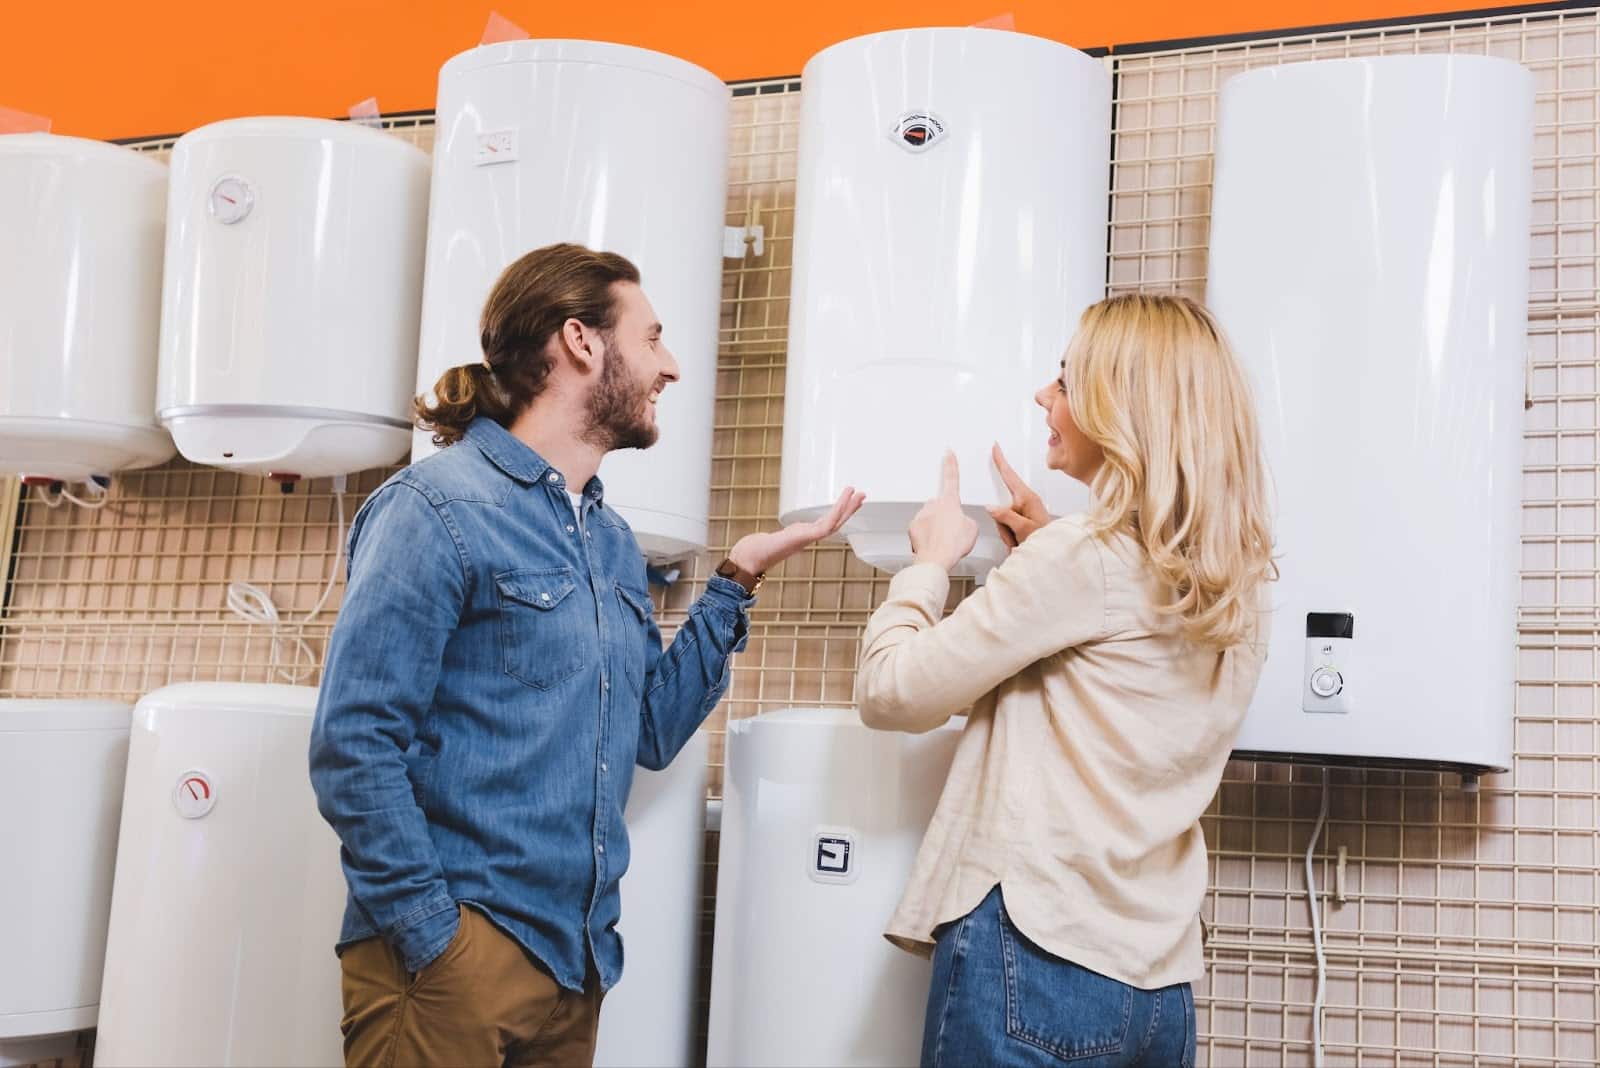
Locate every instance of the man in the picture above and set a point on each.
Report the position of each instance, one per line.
(495, 674)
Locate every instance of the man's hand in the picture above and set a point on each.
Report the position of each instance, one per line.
(757, 553)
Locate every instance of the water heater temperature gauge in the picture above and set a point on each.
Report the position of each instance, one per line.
(231, 199)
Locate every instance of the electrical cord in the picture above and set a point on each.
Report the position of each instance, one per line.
(1316, 929)
(97, 495)
(254, 605)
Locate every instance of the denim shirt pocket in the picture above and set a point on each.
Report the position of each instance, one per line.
(542, 632)
(636, 616)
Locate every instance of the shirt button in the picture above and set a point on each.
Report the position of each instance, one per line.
(544, 597)
(604, 766)
(605, 684)
(571, 529)
(600, 849)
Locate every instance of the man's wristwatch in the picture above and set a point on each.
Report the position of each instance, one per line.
(751, 583)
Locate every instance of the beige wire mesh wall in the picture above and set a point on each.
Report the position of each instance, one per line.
(1468, 934)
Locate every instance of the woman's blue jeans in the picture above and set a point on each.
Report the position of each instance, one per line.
(998, 999)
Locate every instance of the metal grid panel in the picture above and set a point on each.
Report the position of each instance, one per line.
(1468, 934)
(120, 600)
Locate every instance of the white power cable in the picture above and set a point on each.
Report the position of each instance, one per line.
(338, 551)
(98, 495)
(81, 503)
(1316, 929)
(254, 605)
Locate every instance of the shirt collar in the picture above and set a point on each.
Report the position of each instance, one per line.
(518, 460)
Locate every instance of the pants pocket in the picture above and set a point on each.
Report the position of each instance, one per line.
(453, 951)
(1065, 1010)
(372, 984)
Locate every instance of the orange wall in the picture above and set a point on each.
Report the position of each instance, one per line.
(123, 68)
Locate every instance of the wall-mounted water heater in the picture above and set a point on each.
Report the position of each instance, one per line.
(1369, 261)
(617, 148)
(61, 774)
(228, 892)
(950, 228)
(289, 315)
(81, 227)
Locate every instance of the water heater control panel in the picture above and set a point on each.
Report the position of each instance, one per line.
(1330, 645)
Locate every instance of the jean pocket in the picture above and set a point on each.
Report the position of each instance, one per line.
(543, 628)
(1067, 1011)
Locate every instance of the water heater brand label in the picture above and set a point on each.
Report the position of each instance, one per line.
(917, 131)
(194, 795)
(833, 855)
(496, 146)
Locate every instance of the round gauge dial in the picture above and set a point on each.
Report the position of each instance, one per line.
(231, 199)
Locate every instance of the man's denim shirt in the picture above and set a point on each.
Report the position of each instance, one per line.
(493, 677)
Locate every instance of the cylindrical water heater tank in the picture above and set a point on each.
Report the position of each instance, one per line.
(821, 820)
(1369, 261)
(61, 773)
(289, 313)
(81, 227)
(620, 149)
(649, 1017)
(950, 228)
(228, 894)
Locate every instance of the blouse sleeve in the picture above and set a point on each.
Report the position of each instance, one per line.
(917, 670)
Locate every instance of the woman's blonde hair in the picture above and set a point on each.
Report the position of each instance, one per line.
(1151, 380)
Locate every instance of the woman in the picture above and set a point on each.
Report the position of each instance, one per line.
(1107, 664)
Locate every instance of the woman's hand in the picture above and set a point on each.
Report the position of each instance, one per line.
(1026, 513)
(757, 553)
(942, 533)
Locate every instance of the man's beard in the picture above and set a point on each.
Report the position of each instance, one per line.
(617, 409)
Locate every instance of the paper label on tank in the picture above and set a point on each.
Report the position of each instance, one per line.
(194, 795)
(833, 857)
(917, 131)
(496, 146)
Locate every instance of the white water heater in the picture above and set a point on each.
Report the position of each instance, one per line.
(81, 227)
(821, 821)
(289, 313)
(61, 769)
(1369, 261)
(617, 148)
(950, 228)
(229, 894)
(649, 1017)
